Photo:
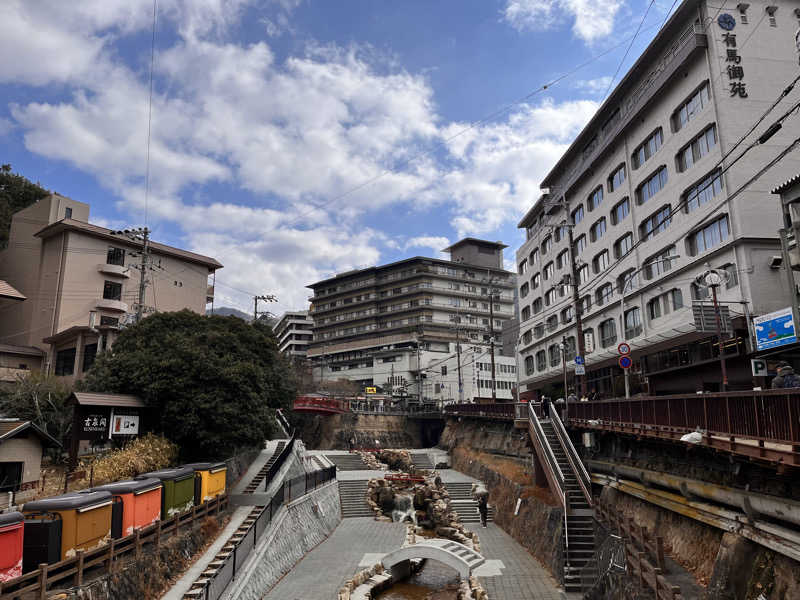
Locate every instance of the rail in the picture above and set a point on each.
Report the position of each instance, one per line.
(320, 404)
(502, 411)
(213, 585)
(759, 424)
(644, 553)
(276, 466)
(581, 474)
(104, 559)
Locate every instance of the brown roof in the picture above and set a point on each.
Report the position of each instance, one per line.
(6, 291)
(98, 231)
(94, 399)
(20, 350)
(10, 428)
(477, 242)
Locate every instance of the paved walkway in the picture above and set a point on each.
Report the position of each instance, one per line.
(523, 577)
(320, 574)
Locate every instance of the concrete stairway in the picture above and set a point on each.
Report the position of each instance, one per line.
(259, 478)
(347, 462)
(579, 551)
(353, 497)
(464, 506)
(421, 461)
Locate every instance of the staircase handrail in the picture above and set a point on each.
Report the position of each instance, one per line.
(581, 474)
(548, 451)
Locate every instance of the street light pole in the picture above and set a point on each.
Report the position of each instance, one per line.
(564, 370)
(713, 279)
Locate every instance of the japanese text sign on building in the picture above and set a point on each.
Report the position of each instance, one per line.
(733, 60)
(125, 425)
(774, 329)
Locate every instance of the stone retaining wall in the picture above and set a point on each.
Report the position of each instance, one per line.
(294, 531)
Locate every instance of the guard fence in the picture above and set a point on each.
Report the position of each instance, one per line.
(230, 561)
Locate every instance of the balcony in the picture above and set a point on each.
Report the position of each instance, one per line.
(112, 305)
(114, 270)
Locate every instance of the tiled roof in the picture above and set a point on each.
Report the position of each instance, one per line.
(6, 291)
(10, 428)
(786, 184)
(21, 350)
(96, 230)
(94, 399)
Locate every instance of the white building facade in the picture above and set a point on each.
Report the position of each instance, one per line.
(294, 334)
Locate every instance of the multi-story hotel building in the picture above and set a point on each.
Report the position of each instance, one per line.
(648, 207)
(80, 283)
(294, 334)
(371, 316)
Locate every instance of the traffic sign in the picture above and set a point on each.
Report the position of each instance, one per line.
(578, 360)
(371, 390)
(624, 348)
(625, 362)
(580, 370)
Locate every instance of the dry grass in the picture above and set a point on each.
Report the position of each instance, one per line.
(507, 467)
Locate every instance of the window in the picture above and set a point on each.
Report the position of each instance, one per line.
(562, 259)
(657, 265)
(621, 210)
(633, 322)
(536, 281)
(552, 323)
(690, 108)
(652, 185)
(537, 306)
(598, 229)
(526, 313)
(547, 244)
(523, 267)
(65, 362)
(595, 198)
(577, 215)
(89, 354)
(567, 314)
(654, 308)
(109, 321)
(604, 294)
(608, 333)
(696, 149)
(527, 337)
(560, 233)
(585, 304)
(115, 256)
(702, 192)
(550, 296)
(538, 329)
(529, 365)
(656, 223)
(674, 300)
(600, 262)
(555, 355)
(623, 245)
(709, 236)
(664, 304)
(627, 281)
(534, 257)
(647, 148)
(580, 244)
(68, 213)
(616, 178)
(524, 289)
(548, 271)
(541, 360)
(733, 276)
(569, 352)
(112, 290)
(583, 274)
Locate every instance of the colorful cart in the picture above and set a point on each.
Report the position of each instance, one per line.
(177, 494)
(209, 480)
(12, 528)
(139, 504)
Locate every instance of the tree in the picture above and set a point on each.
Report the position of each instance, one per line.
(42, 399)
(16, 193)
(211, 381)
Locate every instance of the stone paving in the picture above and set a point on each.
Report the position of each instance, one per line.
(320, 574)
(523, 577)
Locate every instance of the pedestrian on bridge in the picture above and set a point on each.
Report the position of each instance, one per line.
(546, 407)
(786, 377)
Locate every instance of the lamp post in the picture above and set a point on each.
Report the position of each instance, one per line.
(713, 279)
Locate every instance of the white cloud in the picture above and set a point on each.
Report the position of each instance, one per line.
(6, 126)
(593, 19)
(434, 242)
(594, 86)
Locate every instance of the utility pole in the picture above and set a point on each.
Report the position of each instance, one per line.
(419, 372)
(564, 369)
(142, 280)
(491, 342)
(458, 363)
(263, 298)
(576, 300)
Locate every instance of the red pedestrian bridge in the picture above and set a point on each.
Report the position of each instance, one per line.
(320, 405)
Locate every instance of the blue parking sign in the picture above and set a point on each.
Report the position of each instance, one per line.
(578, 360)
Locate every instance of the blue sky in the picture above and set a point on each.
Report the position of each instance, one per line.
(292, 139)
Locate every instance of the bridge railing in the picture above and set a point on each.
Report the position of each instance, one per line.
(505, 411)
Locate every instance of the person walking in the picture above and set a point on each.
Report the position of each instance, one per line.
(483, 509)
(546, 407)
(786, 377)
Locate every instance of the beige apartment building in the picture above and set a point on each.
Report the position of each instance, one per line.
(293, 331)
(81, 282)
(374, 317)
(650, 209)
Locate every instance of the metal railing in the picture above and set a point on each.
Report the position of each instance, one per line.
(581, 474)
(501, 411)
(214, 585)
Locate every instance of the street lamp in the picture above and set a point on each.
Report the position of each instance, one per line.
(712, 279)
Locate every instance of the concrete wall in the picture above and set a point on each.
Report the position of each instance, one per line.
(297, 528)
(27, 450)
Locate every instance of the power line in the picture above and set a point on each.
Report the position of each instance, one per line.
(150, 114)
(633, 39)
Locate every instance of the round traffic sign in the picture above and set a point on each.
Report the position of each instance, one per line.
(625, 362)
(624, 348)
(578, 360)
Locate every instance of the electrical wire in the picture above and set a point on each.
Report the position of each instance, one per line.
(633, 39)
(150, 113)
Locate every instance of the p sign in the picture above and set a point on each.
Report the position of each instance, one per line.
(759, 367)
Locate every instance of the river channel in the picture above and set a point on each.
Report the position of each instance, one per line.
(431, 583)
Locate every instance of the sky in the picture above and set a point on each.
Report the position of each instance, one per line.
(295, 139)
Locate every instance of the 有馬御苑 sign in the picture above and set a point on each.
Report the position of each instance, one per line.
(774, 329)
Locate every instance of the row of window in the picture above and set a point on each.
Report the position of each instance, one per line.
(500, 385)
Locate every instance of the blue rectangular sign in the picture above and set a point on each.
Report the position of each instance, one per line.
(774, 329)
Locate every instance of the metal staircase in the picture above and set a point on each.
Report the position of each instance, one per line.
(571, 484)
